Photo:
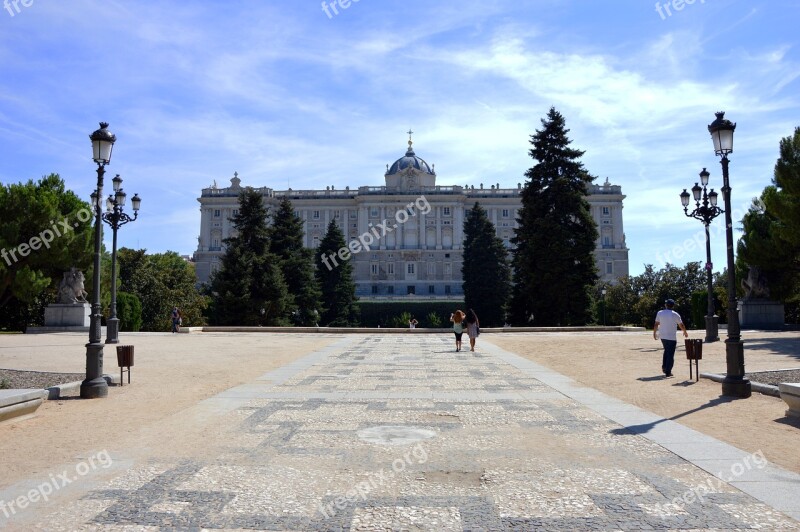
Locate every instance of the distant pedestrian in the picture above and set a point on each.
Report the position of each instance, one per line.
(412, 323)
(177, 320)
(668, 321)
(457, 318)
(473, 328)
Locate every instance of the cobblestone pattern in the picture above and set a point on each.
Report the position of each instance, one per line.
(507, 453)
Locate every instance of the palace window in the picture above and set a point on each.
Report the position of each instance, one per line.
(373, 268)
(390, 290)
(216, 213)
(606, 211)
(374, 289)
(373, 212)
(431, 289)
(447, 289)
(505, 213)
(390, 268)
(315, 215)
(410, 268)
(446, 211)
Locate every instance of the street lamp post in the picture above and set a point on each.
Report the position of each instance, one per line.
(603, 291)
(734, 383)
(95, 386)
(705, 213)
(115, 218)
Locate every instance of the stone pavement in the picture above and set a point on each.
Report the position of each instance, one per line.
(400, 432)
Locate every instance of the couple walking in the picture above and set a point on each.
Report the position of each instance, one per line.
(468, 321)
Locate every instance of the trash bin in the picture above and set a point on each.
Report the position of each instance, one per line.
(694, 349)
(124, 360)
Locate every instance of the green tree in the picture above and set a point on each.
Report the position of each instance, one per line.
(671, 282)
(401, 321)
(433, 320)
(249, 288)
(553, 262)
(45, 231)
(485, 270)
(160, 281)
(129, 312)
(335, 277)
(621, 298)
(297, 265)
(771, 239)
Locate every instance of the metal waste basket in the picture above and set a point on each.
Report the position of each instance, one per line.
(124, 360)
(694, 351)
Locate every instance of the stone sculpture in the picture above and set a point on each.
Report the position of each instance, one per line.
(71, 291)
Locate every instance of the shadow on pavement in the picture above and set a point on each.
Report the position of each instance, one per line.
(789, 420)
(781, 346)
(646, 427)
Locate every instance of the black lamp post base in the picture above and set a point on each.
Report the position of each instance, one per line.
(735, 384)
(94, 389)
(712, 329)
(94, 386)
(112, 331)
(736, 387)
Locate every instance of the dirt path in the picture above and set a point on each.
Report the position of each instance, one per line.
(170, 373)
(628, 366)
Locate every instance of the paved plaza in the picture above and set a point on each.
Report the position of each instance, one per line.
(400, 432)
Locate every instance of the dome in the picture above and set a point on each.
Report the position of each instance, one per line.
(410, 160)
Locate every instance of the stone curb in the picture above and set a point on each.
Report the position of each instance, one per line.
(403, 330)
(55, 392)
(766, 389)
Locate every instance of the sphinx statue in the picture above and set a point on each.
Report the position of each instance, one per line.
(71, 291)
(755, 285)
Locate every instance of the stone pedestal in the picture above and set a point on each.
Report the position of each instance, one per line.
(761, 314)
(67, 315)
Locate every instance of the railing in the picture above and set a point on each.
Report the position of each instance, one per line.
(394, 191)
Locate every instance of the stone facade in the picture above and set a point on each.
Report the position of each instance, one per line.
(414, 227)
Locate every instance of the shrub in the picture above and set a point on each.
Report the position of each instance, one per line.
(129, 312)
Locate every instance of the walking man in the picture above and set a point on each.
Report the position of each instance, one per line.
(668, 321)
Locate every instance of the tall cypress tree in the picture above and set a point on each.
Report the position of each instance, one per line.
(485, 270)
(335, 277)
(553, 263)
(249, 288)
(771, 238)
(297, 265)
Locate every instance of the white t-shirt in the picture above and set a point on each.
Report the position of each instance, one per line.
(668, 321)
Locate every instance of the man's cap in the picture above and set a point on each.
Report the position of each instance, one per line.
(669, 302)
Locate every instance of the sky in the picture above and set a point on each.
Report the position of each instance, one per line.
(295, 93)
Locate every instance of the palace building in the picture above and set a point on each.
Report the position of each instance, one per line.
(407, 235)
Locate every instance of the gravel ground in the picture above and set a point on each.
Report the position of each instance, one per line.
(10, 378)
(775, 377)
(13, 379)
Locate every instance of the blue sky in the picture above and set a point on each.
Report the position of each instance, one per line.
(286, 95)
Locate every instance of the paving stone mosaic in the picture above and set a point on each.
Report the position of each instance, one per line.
(399, 432)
